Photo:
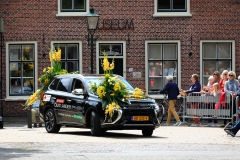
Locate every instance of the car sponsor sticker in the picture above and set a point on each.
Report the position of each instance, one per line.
(46, 98)
(60, 101)
(77, 116)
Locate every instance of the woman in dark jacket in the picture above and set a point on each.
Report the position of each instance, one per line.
(195, 87)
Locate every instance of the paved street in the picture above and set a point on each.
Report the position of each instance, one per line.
(19, 142)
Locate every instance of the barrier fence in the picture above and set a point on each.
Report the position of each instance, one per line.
(206, 106)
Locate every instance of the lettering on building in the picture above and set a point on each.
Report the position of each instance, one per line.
(116, 24)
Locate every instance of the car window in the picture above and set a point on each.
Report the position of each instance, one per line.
(54, 84)
(64, 84)
(77, 84)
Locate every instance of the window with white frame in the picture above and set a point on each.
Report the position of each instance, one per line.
(73, 7)
(21, 69)
(171, 8)
(216, 56)
(162, 59)
(69, 56)
(114, 50)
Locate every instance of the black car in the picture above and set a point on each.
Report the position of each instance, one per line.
(69, 102)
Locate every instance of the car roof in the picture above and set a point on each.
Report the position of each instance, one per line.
(82, 75)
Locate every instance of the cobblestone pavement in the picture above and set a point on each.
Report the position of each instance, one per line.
(183, 142)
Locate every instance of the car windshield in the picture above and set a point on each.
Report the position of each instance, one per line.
(97, 80)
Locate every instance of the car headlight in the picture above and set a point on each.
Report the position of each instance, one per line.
(155, 106)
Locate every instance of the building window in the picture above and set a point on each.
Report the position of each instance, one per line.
(21, 69)
(116, 50)
(171, 8)
(73, 7)
(172, 5)
(162, 62)
(216, 56)
(111, 49)
(162, 59)
(69, 56)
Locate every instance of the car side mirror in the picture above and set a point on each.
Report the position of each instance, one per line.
(78, 91)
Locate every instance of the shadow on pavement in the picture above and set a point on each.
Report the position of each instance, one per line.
(114, 135)
(10, 153)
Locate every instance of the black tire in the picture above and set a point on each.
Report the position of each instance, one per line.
(95, 124)
(1, 124)
(147, 132)
(104, 130)
(50, 122)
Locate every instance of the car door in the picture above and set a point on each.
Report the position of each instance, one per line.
(77, 102)
(60, 98)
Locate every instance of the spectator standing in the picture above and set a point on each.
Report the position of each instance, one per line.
(216, 93)
(231, 87)
(223, 80)
(195, 87)
(172, 90)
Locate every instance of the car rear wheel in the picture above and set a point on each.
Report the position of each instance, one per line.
(147, 132)
(50, 122)
(95, 124)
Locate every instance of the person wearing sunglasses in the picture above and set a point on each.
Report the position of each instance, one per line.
(232, 87)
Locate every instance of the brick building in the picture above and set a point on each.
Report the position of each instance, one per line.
(151, 39)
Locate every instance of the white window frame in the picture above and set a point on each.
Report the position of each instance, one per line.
(172, 14)
(157, 96)
(80, 51)
(215, 41)
(123, 56)
(72, 13)
(21, 98)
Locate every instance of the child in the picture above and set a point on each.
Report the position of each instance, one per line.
(216, 93)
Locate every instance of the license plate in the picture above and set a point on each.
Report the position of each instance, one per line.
(139, 118)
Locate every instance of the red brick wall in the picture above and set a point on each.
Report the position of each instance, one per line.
(211, 19)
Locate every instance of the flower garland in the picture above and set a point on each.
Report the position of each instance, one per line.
(48, 74)
(112, 90)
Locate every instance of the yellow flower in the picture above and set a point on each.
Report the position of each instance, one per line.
(50, 68)
(116, 87)
(101, 91)
(50, 56)
(46, 81)
(112, 65)
(110, 108)
(31, 65)
(27, 49)
(105, 64)
(44, 70)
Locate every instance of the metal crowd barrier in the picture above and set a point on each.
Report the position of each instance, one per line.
(237, 109)
(206, 106)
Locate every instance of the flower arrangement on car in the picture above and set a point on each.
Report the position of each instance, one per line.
(112, 90)
(47, 76)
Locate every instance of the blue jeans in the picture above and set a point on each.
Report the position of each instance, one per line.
(236, 127)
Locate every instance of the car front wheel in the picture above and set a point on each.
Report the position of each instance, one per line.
(50, 122)
(1, 124)
(95, 124)
(147, 132)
